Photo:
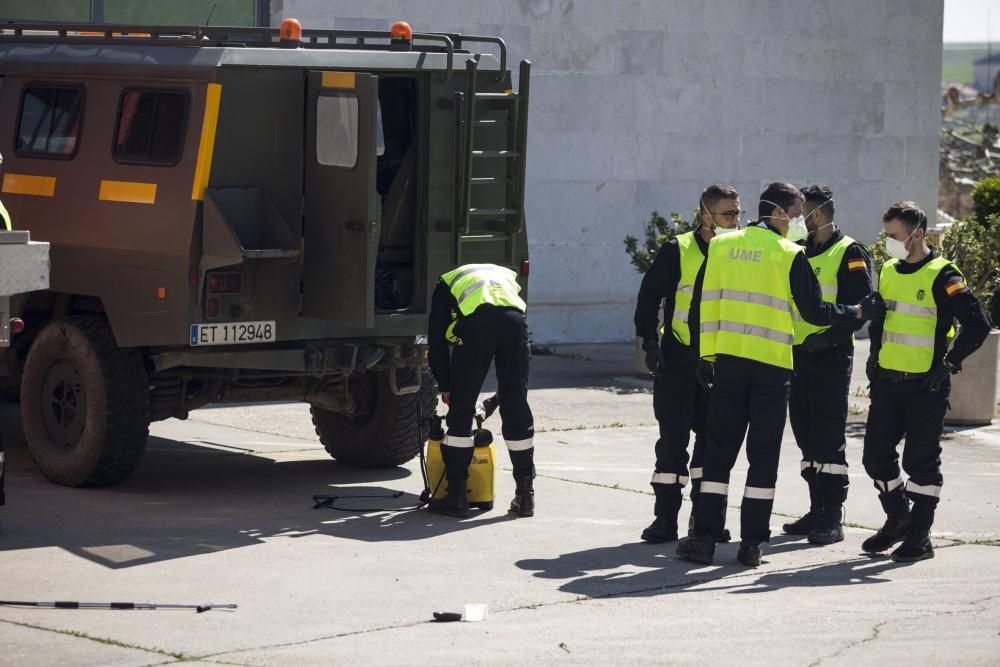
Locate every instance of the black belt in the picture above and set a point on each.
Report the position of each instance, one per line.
(899, 376)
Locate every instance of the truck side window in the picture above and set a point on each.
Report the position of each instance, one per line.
(151, 125)
(49, 124)
(337, 129)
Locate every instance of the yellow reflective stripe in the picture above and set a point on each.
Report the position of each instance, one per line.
(746, 297)
(747, 330)
(129, 192)
(470, 290)
(685, 289)
(829, 292)
(466, 270)
(681, 316)
(26, 184)
(908, 339)
(910, 309)
(206, 144)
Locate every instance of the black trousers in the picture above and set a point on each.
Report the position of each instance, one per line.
(3, 474)
(749, 399)
(904, 409)
(817, 409)
(498, 336)
(680, 406)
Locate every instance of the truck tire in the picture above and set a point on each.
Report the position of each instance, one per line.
(84, 403)
(390, 435)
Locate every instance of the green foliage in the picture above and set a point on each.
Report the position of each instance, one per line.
(986, 198)
(658, 231)
(974, 246)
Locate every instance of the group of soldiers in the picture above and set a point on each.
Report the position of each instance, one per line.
(761, 320)
(758, 321)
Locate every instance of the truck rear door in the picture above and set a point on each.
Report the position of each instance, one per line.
(341, 213)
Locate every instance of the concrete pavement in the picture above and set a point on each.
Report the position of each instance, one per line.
(220, 511)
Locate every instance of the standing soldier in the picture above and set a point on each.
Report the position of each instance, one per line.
(754, 279)
(680, 404)
(477, 318)
(823, 358)
(910, 369)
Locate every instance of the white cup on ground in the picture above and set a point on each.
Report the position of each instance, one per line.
(475, 612)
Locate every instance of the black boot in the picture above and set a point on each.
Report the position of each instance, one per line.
(897, 521)
(456, 465)
(523, 503)
(666, 507)
(749, 553)
(523, 462)
(916, 546)
(810, 520)
(830, 528)
(724, 536)
(698, 549)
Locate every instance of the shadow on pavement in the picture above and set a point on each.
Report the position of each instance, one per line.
(657, 571)
(187, 500)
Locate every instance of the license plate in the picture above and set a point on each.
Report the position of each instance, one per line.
(233, 333)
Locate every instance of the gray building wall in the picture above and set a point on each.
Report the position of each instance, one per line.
(639, 104)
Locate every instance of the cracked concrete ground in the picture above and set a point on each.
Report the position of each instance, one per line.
(220, 511)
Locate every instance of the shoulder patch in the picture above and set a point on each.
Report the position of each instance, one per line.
(857, 265)
(955, 285)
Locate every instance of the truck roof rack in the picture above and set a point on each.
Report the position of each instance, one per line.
(239, 36)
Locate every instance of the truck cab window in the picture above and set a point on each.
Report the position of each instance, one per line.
(151, 125)
(49, 124)
(337, 130)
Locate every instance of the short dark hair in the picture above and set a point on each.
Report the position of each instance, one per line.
(716, 192)
(908, 213)
(778, 194)
(821, 195)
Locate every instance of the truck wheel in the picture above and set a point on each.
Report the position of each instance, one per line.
(389, 435)
(84, 403)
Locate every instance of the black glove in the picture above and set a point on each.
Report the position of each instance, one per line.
(654, 357)
(816, 342)
(938, 376)
(872, 307)
(705, 374)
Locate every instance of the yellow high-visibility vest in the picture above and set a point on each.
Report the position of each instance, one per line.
(911, 316)
(826, 266)
(746, 298)
(474, 285)
(691, 261)
(6, 216)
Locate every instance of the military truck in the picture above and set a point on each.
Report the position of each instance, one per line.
(241, 215)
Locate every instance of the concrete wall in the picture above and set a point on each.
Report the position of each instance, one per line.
(639, 104)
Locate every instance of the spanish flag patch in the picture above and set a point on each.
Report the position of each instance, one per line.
(955, 286)
(856, 265)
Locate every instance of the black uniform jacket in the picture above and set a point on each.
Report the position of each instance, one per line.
(960, 305)
(659, 284)
(852, 286)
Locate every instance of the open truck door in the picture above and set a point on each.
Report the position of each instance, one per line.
(340, 226)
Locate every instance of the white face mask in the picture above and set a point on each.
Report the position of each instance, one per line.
(898, 249)
(722, 231)
(797, 230)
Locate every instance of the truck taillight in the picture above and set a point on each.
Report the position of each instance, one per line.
(524, 268)
(16, 325)
(212, 307)
(225, 283)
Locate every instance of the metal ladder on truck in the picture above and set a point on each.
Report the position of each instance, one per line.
(489, 202)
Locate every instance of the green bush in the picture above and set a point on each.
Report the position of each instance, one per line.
(974, 246)
(986, 198)
(658, 230)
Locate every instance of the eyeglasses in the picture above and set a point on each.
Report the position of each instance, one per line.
(731, 215)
